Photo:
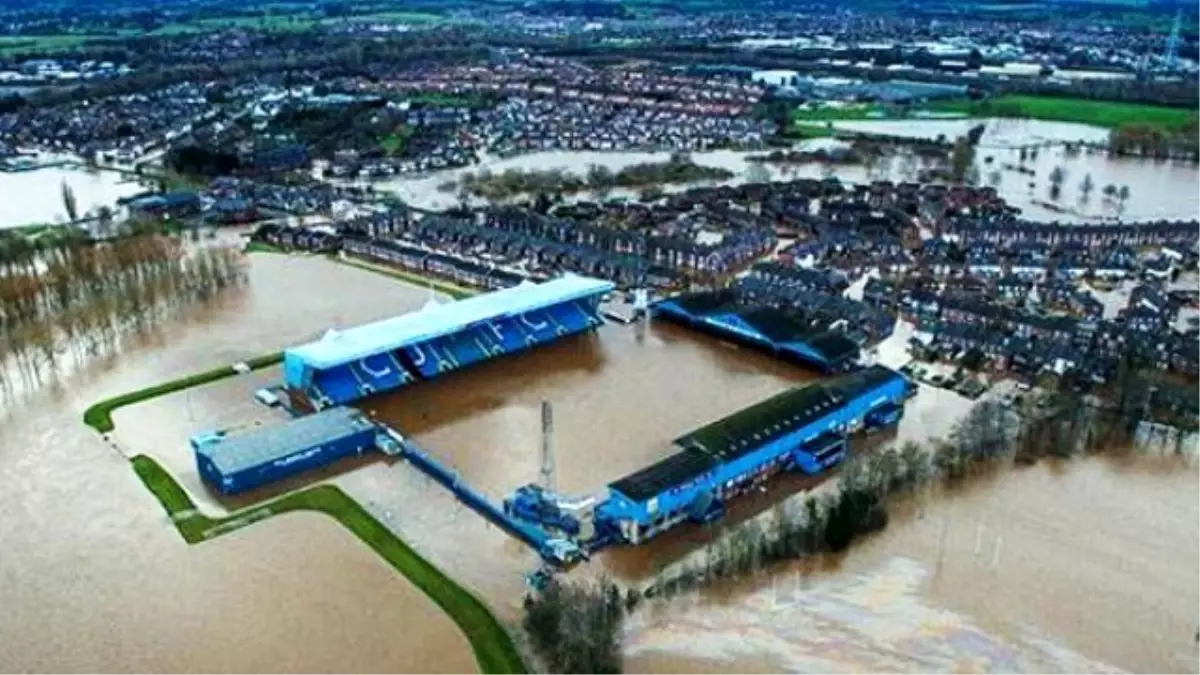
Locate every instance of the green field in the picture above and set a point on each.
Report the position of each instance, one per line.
(1098, 113)
(13, 44)
(393, 143)
(280, 23)
(816, 122)
(436, 98)
(412, 18)
(452, 290)
(863, 111)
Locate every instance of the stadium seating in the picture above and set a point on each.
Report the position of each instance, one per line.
(383, 372)
(507, 334)
(338, 385)
(458, 350)
(425, 364)
(462, 348)
(586, 313)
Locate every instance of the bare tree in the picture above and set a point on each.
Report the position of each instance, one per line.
(962, 158)
(68, 198)
(1057, 176)
(1086, 187)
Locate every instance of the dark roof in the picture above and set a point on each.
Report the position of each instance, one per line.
(750, 428)
(744, 431)
(231, 204)
(707, 302)
(833, 347)
(664, 474)
(783, 327)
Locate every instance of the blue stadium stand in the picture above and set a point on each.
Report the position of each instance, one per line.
(383, 372)
(383, 356)
(338, 385)
(508, 335)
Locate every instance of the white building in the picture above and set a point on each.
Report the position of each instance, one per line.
(775, 78)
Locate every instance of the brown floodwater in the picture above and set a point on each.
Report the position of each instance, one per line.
(93, 578)
(1085, 567)
(1157, 189)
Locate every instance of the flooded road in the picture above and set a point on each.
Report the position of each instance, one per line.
(1096, 566)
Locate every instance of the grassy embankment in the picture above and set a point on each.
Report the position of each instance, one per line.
(48, 44)
(262, 247)
(99, 415)
(818, 122)
(291, 22)
(1108, 114)
(452, 290)
(493, 647)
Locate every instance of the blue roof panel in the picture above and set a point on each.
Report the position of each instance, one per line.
(260, 446)
(436, 320)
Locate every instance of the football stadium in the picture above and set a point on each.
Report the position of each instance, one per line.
(328, 384)
(347, 366)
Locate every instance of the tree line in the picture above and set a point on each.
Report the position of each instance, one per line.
(599, 179)
(1147, 140)
(575, 628)
(78, 299)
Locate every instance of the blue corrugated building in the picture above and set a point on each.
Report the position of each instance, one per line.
(348, 365)
(805, 428)
(234, 462)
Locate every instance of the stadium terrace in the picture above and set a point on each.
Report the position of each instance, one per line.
(348, 365)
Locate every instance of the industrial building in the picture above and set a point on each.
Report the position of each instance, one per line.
(233, 461)
(789, 334)
(348, 365)
(805, 429)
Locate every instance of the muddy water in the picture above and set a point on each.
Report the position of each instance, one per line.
(1097, 564)
(41, 193)
(1157, 189)
(618, 403)
(93, 578)
(1084, 568)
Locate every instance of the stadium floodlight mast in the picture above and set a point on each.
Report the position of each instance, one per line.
(547, 447)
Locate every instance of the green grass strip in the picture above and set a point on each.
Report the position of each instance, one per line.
(99, 415)
(493, 647)
(262, 247)
(452, 290)
(1109, 114)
